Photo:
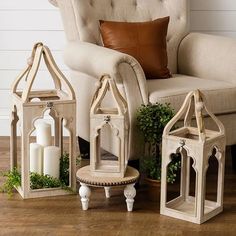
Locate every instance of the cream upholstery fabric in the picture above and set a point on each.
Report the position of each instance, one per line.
(81, 19)
(208, 60)
(220, 95)
(208, 56)
(96, 60)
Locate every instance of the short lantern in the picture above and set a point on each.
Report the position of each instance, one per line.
(108, 125)
(42, 154)
(197, 145)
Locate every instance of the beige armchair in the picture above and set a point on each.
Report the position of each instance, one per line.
(197, 61)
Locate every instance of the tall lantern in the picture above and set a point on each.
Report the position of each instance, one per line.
(114, 122)
(197, 144)
(44, 155)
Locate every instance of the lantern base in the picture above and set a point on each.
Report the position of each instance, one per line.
(48, 192)
(185, 210)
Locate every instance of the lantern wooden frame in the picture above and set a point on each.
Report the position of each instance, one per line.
(117, 118)
(62, 107)
(198, 144)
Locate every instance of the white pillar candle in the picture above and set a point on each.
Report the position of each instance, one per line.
(51, 161)
(36, 158)
(43, 134)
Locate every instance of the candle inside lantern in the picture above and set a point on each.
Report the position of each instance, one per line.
(43, 134)
(51, 161)
(36, 158)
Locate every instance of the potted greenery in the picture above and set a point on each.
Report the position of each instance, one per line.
(37, 181)
(151, 120)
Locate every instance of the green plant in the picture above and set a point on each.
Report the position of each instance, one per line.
(37, 181)
(13, 179)
(151, 121)
(64, 168)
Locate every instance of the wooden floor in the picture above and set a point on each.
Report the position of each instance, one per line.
(63, 215)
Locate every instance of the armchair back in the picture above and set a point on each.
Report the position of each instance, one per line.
(81, 19)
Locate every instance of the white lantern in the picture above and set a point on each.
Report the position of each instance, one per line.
(109, 124)
(196, 143)
(29, 106)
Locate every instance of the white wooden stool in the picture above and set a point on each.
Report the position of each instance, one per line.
(86, 180)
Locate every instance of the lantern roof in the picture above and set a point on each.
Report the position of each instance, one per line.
(106, 84)
(195, 107)
(29, 74)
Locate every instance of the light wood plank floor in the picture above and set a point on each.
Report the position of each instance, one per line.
(63, 215)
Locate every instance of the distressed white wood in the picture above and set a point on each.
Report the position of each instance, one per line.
(16, 60)
(26, 39)
(117, 119)
(5, 99)
(26, 4)
(196, 143)
(213, 5)
(62, 107)
(42, 81)
(213, 20)
(30, 20)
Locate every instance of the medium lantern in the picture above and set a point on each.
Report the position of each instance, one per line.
(113, 123)
(44, 156)
(198, 144)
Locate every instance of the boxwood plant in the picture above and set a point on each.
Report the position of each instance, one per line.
(151, 121)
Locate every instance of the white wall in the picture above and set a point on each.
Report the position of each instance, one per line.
(214, 16)
(24, 22)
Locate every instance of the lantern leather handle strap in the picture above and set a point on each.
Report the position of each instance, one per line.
(195, 102)
(199, 106)
(38, 51)
(106, 83)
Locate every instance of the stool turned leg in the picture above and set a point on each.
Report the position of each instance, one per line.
(107, 191)
(130, 193)
(84, 192)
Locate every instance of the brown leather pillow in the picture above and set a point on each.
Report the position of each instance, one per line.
(145, 41)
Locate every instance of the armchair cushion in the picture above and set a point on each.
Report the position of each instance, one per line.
(220, 95)
(145, 41)
(208, 56)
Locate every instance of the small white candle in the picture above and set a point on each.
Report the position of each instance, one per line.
(43, 134)
(51, 161)
(36, 158)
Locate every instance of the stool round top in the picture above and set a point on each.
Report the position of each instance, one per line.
(85, 176)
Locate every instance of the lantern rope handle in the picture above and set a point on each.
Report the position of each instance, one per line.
(199, 106)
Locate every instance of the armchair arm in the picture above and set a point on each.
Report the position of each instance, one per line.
(96, 60)
(208, 56)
